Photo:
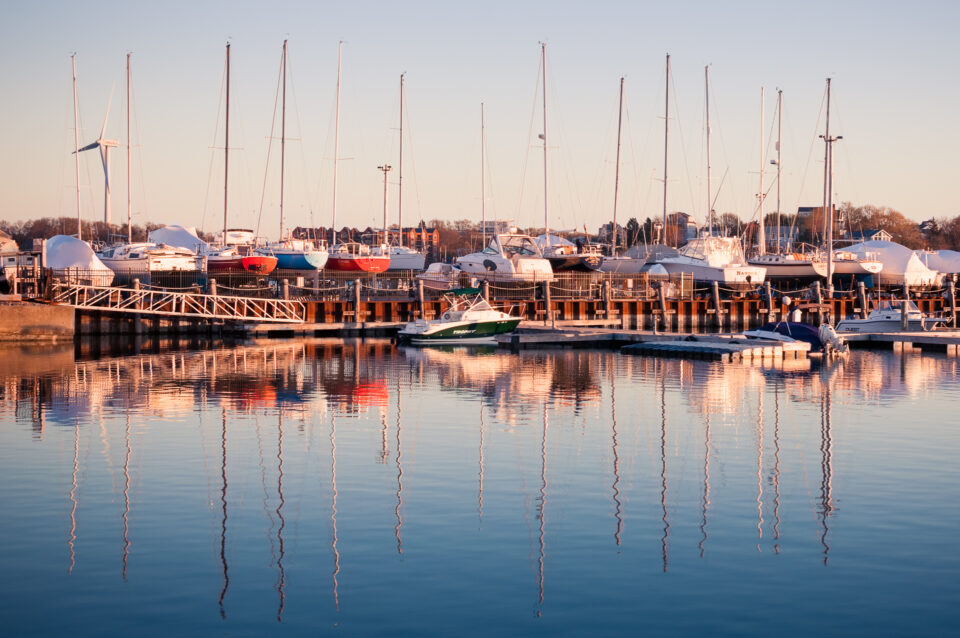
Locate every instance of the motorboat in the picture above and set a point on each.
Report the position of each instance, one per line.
(846, 262)
(440, 276)
(823, 339)
(639, 259)
(356, 257)
(565, 256)
(715, 259)
(468, 319)
(296, 254)
(143, 258)
(509, 257)
(888, 317)
(236, 254)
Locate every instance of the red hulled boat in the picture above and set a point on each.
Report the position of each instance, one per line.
(354, 257)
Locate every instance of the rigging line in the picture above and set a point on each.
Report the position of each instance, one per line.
(144, 200)
(529, 144)
(488, 178)
(303, 156)
(683, 143)
(413, 165)
(266, 169)
(813, 143)
(266, 495)
(213, 147)
(715, 112)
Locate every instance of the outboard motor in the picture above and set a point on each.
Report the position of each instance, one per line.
(832, 342)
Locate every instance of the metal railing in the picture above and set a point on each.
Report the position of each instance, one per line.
(147, 301)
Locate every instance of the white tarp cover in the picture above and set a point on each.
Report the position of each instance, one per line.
(64, 252)
(900, 264)
(651, 252)
(945, 261)
(555, 240)
(179, 236)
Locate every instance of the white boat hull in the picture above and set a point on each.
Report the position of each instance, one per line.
(738, 277)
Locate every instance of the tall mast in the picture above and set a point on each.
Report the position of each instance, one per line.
(226, 150)
(129, 227)
(483, 189)
(76, 140)
(336, 142)
(761, 235)
(706, 92)
(779, 169)
(386, 169)
(399, 172)
(666, 137)
(616, 175)
(543, 58)
(283, 131)
(828, 191)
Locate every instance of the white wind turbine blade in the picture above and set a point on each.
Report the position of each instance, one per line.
(103, 129)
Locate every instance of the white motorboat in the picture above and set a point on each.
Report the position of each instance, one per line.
(468, 319)
(888, 317)
(508, 257)
(401, 257)
(440, 276)
(846, 262)
(718, 259)
(143, 258)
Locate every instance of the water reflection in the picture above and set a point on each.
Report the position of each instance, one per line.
(681, 457)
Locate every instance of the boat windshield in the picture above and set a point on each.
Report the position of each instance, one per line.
(519, 245)
(714, 249)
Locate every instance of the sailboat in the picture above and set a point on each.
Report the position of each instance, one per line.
(235, 253)
(293, 254)
(562, 254)
(401, 257)
(709, 259)
(349, 256)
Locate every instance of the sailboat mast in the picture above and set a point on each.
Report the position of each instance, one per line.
(666, 137)
(779, 169)
(761, 235)
(336, 142)
(226, 150)
(129, 227)
(706, 92)
(616, 175)
(76, 140)
(827, 193)
(283, 131)
(386, 169)
(399, 172)
(483, 189)
(543, 58)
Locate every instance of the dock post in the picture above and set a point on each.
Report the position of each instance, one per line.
(818, 297)
(316, 283)
(952, 297)
(356, 300)
(286, 289)
(137, 318)
(862, 298)
(718, 320)
(769, 292)
(485, 287)
(904, 313)
(547, 312)
(213, 287)
(662, 298)
(607, 298)
(420, 299)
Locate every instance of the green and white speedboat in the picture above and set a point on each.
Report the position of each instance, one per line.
(469, 319)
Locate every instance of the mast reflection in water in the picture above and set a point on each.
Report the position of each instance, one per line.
(408, 491)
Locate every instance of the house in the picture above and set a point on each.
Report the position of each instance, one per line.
(870, 235)
(680, 228)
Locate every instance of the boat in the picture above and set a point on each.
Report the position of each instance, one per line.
(888, 317)
(823, 339)
(639, 259)
(468, 319)
(356, 257)
(846, 262)
(565, 256)
(402, 257)
(144, 258)
(508, 256)
(72, 259)
(715, 259)
(797, 267)
(898, 265)
(291, 254)
(238, 255)
(440, 276)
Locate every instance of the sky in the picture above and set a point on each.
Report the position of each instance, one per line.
(894, 69)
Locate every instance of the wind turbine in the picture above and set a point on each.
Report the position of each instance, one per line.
(104, 145)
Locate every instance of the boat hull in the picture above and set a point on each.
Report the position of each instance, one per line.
(877, 325)
(301, 260)
(735, 277)
(575, 263)
(371, 263)
(256, 264)
(459, 332)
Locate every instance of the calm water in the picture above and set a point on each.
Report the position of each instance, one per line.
(357, 488)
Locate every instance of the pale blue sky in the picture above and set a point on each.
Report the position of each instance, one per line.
(895, 70)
